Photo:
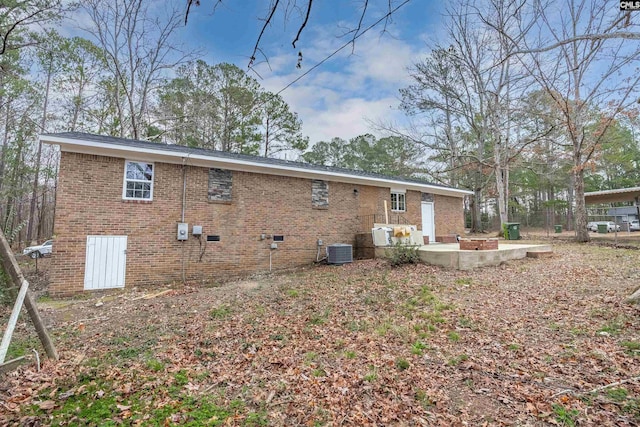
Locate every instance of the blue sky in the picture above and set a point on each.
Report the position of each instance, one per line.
(342, 96)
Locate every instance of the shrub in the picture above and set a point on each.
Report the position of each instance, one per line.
(401, 254)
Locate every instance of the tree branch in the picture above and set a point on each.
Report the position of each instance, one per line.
(589, 37)
(189, 4)
(264, 27)
(304, 23)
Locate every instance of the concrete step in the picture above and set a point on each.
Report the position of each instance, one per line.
(539, 254)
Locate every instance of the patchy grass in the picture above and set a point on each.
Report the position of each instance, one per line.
(372, 375)
(617, 394)
(632, 348)
(418, 348)
(220, 312)
(359, 344)
(350, 354)
(319, 318)
(565, 416)
(293, 293)
(454, 336)
(612, 327)
(23, 346)
(402, 364)
(466, 281)
(455, 361)
(155, 365)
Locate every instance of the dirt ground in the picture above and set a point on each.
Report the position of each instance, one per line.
(531, 342)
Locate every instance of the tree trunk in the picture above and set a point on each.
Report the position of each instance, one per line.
(570, 198)
(476, 217)
(3, 154)
(34, 192)
(42, 213)
(266, 138)
(448, 131)
(119, 107)
(77, 104)
(582, 234)
(502, 203)
(10, 210)
(132, 110)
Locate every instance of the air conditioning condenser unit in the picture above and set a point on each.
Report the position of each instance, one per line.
(339, 253)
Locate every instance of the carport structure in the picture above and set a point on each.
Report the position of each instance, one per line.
(611, 196)
(631, 194)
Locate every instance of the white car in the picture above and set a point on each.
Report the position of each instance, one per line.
(39, 250)
(634, 225)
(611, 226)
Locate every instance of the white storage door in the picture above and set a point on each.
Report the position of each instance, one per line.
(106, 262)
(428, 226)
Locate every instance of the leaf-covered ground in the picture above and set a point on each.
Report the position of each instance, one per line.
(532, 342)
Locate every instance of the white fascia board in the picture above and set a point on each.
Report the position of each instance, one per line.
(616, 191)
(167, 156)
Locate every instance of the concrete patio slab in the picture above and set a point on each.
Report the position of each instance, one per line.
(449, 254)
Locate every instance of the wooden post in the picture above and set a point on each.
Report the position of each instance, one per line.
(13, 319)
(11, 364)
(386, 213)
(11, 267)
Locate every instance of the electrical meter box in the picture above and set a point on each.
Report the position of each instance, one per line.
(183, 231)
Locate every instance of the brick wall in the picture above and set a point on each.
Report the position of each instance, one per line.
(371, 201)
(448, 211)
(478, 244)
(449, 215)
(90, 202)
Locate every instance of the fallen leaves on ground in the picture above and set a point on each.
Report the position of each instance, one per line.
(524, 343)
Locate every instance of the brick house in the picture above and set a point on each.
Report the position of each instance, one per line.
(120, 204)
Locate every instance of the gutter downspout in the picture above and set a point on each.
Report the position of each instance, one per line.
(184, 205)
(184, 186)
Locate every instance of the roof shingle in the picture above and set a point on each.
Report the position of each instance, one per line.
(111, 140)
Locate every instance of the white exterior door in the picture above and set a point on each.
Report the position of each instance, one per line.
(106, 262)
(428, 225)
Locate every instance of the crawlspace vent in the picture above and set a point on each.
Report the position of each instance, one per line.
(339, 253)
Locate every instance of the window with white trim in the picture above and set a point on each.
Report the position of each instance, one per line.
(138, 181)
(398, 201)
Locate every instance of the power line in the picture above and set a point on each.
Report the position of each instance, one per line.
(335, 52)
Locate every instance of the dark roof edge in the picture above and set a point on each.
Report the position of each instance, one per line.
(224, 155)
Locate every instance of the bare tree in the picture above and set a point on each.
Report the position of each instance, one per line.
(476, 86)
(138, 47)
(444, 94)
(436, 98)
(586, 66)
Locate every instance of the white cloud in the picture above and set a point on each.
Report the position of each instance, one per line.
(383, 60)
(348, 118)
(342, 96)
